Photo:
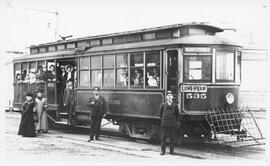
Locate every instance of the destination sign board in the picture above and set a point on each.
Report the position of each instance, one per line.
(197, 49)
(193, 88)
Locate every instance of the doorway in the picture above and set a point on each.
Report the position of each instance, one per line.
(172, 75)
(62, 66)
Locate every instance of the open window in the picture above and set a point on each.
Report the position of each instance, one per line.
(137, 69)
(153, 69)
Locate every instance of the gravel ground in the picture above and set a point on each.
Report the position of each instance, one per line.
(69, 147)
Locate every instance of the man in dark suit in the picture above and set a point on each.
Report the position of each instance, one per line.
(69, 100)
(169, 114)
(97, 111)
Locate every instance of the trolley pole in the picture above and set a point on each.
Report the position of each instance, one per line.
(50, 12)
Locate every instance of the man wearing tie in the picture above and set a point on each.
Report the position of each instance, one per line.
(169, 114)
(97, 111)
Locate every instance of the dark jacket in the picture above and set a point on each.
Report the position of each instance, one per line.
(44, 76)
(27, 126)
(169, 114)
(98, 108)
(69, 97)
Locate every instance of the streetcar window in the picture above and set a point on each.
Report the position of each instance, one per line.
(84, 63)
(34, 50)
(95, 42)
(164, 34)
(134, 38)
(51, 48)
(108, 70)
(197, 68)
(96, 70)
(196, 31)
(95, 62)
(121, 70)
(106, 41)
(84, 72)
(149, 36)
(25, 71)
(71, 45)
(238, 65)
(61, 47)
(136, 69)
(84, 78)
(17, 70)
(42, 49)
(83, 44)
(224, 66)
(153, 69)
(119, 39)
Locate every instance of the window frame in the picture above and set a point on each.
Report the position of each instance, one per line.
(234, 67)
(95, 69)
(84, 69)
(137, 67)
(108, 69)
(211, 69)
(120, 68)
(156, 66)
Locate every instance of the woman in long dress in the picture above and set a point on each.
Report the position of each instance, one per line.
(41, 105)
(27, 125)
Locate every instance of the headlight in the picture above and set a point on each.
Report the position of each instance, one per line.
(229, 98)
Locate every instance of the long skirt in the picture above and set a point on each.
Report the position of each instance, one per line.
(27, 126)
(42, 124)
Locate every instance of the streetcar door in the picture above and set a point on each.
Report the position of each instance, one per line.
(62, 66)
(172, 71)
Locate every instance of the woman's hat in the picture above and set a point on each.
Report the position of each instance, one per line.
(29, 94)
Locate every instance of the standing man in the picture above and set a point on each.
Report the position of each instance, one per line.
(169, 114)
(69, 100)
(97, 111)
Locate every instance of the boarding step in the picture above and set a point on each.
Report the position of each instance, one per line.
(139, 136)
(62, 121)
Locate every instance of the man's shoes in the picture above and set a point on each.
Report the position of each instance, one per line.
(172, 153)
(91, 139)
(162, 152)
(97, 138)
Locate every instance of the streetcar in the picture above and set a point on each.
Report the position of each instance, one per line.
(134, 70)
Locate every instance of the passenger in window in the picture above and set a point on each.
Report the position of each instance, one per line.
(26, 78)
(19, 78)
(70, 73)
(24, 74)
(123, 81)
(44, 76)
(137, 78)
(52, 74)
(153, 77)
(32, 77)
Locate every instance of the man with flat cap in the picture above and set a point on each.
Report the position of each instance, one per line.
(169, 114)
(97, 111)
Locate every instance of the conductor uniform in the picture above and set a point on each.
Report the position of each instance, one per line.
(169, 114)
(97, 110)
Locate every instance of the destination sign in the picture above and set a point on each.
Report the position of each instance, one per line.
(197, 49)
(193, 88)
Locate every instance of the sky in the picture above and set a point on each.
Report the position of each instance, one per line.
(27, 22)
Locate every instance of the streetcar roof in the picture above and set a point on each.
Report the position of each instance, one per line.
(195, 25)
(202, 40)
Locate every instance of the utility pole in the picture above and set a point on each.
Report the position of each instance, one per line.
(56, 19)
